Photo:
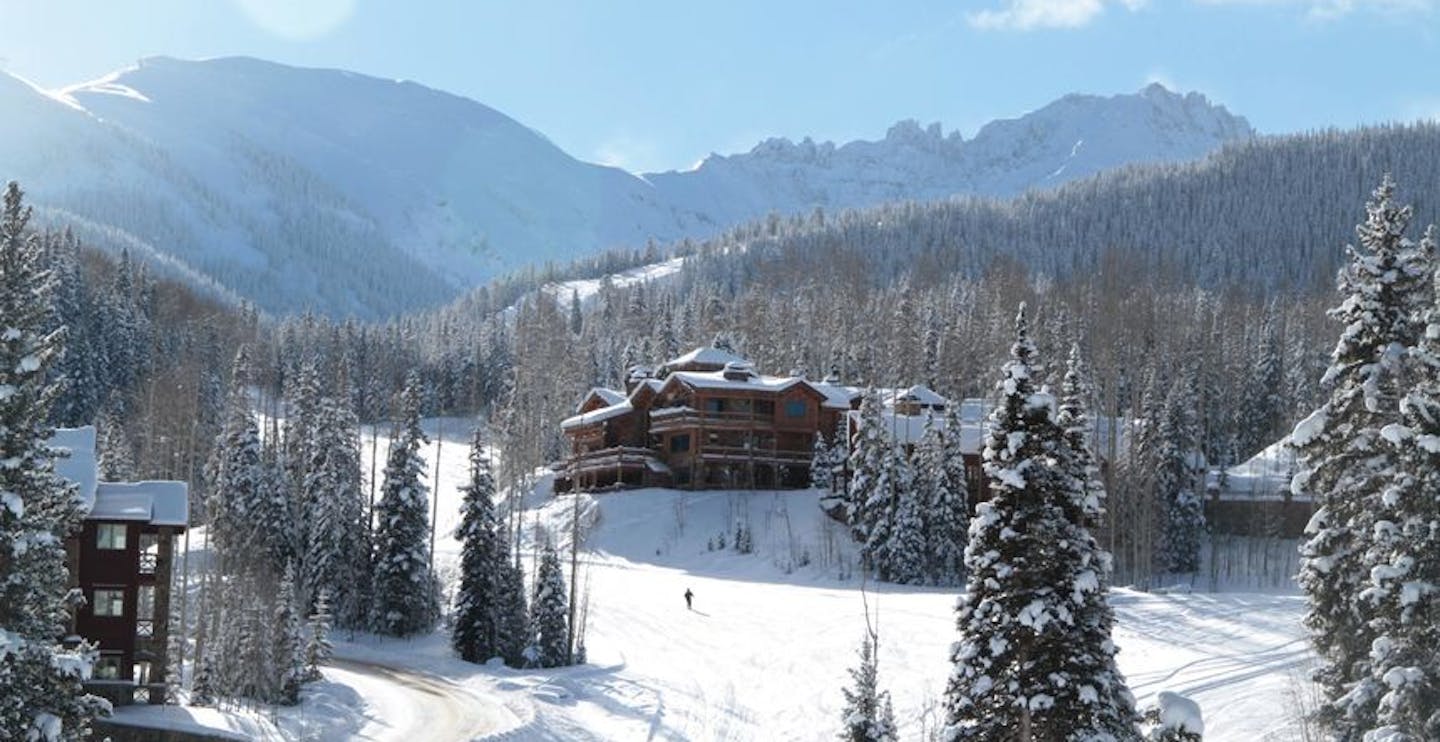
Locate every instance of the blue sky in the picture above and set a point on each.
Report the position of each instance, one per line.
(658, 85)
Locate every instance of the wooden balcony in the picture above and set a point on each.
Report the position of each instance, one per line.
(758, 455)
(680, 418)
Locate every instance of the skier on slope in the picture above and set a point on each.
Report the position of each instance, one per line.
(689, 596)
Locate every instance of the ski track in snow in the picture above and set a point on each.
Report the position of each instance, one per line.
(403, 705)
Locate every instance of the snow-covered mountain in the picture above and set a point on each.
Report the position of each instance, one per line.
(355, 195)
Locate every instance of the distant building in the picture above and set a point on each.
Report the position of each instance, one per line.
(708, 420)
(122, 561)
(1254, 498)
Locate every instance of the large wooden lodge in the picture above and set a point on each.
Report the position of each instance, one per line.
(708, 420)
(122, 561)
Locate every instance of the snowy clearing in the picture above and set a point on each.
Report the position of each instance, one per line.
(764, 654)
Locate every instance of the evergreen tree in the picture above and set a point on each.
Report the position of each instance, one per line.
(404, 599)
(881, 509)
(1175, 480)
(476, 634)
(1020, 664)
(116, 459)
(318, 648)
(337, 560)
(40, 693)
(909, 547)
(940, 483)
(867, 715)
(1345, 466)
(1107, 709)
(1402, 692)
(512, 612)
(289, 648)
(549, 616)
(865, 459)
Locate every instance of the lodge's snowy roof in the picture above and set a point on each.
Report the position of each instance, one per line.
(706, 355)
(717, 380)
(837, 396)
(157, 503)
(80, 466)
(608, 396)
(600, 415)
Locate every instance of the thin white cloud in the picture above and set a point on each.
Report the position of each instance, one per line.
(298, 21)
(1322, 10)
(1025, 15)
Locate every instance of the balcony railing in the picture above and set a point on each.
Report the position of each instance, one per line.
(145, 628)
(671, 417)
(148, 563)
(609, 458)
(760, 455)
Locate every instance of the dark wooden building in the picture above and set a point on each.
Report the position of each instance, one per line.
(122, 561)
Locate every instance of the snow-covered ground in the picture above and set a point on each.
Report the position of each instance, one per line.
(765, 651)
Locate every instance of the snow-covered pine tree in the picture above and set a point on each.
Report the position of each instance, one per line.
(909, 548)
(1345, 465)
(336, 560)
(318, 648)
(867, 716)
(274, 528)
(235, 477)
(302, 419)
(288, 655)
(40, 693)
(1402, 693)
(116, 458)
(1175, 483)
(941, 484)
(512, 611)
(1017, 665)
(1107, 709)
(549, 614)
(865, 457)
(881, 508)
(1261, 409)
(404, 597)
(476, 634)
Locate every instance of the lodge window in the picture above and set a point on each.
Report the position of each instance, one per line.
(110, 536)
(109, 602)
(679, 443)
(714, 405)
(794, 408)
(108, 666)
(764, 407)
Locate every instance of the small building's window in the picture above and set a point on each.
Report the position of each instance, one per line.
(109, 602)
(794, 408)
(110, 536)
(145, 602)
(108, 666)
(679, 443)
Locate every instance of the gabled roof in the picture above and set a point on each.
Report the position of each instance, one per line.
(706, 356)
(608, 396)
(838, 396)
(717, 380)
(600, 415)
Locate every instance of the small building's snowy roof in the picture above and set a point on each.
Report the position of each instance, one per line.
(707, 356)
(920, 394)
(600, 415)
(1266, 476)
(157, 503)
(608, 396)
(80, 466)
(909, 429)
